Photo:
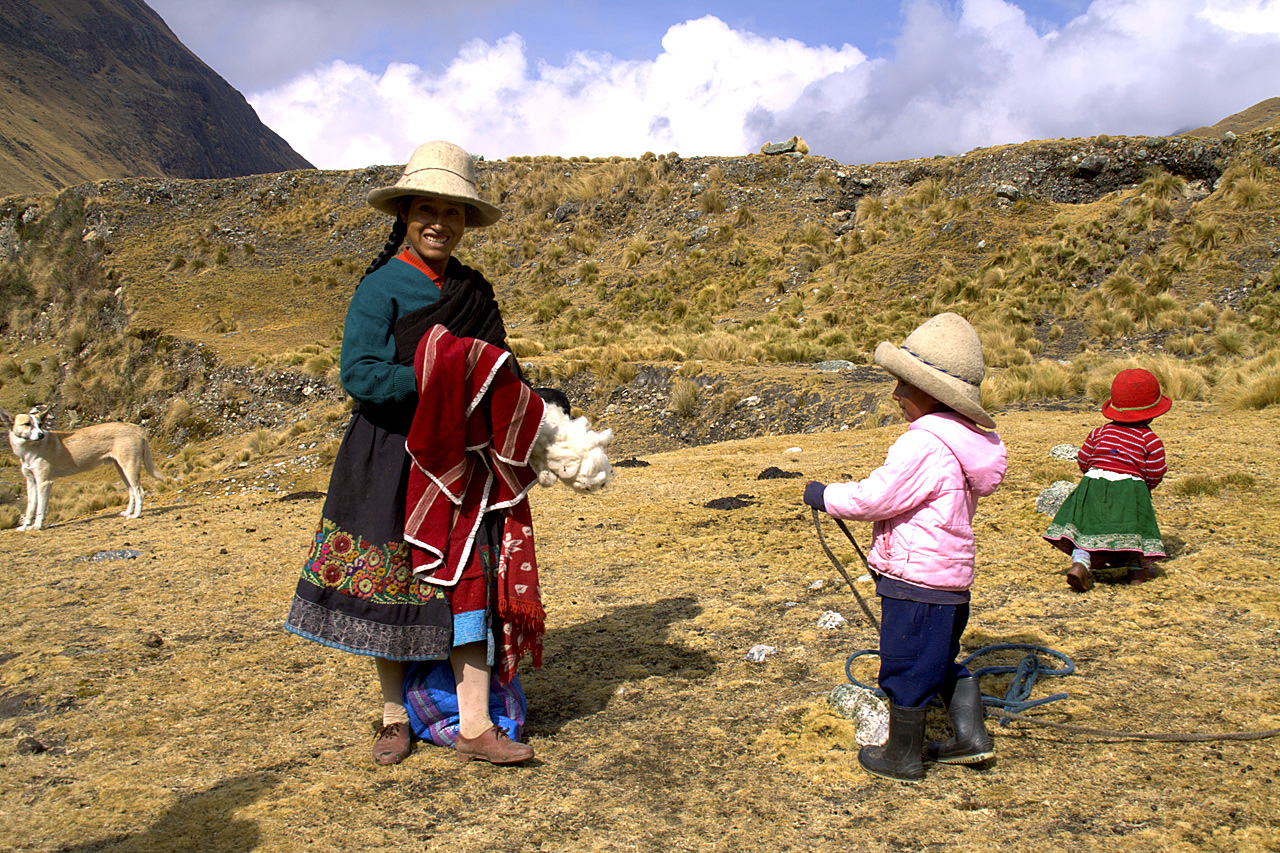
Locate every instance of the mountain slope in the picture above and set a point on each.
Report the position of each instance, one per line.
(94, 90)
(1260, 115)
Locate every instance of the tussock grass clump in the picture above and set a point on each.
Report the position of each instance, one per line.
(549, 307)
(1041, 380)
(1254, 385)
(318, 365)
(690, 369)
(1162, 186)
(1201, 485)
(710, 201)
(176, 415)
(612, 365)
(684, 398)
(525, 348)
(719, 346)
(636, 250)
(1180, 380)
(1183, 345)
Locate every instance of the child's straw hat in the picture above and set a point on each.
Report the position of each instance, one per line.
(943, 358)
(441, 170)
(1135, 396)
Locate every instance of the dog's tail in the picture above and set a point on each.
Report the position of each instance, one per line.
(147, 460)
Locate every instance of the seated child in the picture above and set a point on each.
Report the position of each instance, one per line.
(922, 501)
(1109, 519)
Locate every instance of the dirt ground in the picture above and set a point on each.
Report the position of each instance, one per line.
(155, 703)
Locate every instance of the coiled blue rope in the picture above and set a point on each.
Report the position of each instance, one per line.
(1017, 697)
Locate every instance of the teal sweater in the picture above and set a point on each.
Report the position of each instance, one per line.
(369, 372)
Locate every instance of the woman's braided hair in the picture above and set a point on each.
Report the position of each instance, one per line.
(394, 241)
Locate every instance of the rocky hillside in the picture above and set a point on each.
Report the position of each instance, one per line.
(104, 89)
(684, 300)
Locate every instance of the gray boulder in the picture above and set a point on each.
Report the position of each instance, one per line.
(1051, 499)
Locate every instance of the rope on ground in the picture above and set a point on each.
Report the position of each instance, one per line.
(1173, 737)
(1016, 700)
(1017, 696)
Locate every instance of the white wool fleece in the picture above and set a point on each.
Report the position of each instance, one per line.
(568, 450)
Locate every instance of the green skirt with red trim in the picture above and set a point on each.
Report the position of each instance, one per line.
(1108, 517)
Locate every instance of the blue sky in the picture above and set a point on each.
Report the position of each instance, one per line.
(353, 84)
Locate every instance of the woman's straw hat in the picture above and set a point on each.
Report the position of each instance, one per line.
(442, 170)
(1135, 396)
(943, 358)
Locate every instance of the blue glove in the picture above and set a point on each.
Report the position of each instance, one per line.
(813, 495)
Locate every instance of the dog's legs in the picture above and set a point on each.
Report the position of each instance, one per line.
(32, 496)
(44, 482)
(133, 482)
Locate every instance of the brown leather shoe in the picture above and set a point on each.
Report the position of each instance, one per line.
(1140, 575)
(1079, 577)
(391, 746)
(494, 746)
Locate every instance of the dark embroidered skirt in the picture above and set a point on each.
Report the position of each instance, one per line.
(357, 591)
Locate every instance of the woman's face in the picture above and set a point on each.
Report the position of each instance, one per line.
(435, 226)
(913, 402)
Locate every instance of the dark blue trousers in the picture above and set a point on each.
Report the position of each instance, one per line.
(919, 644)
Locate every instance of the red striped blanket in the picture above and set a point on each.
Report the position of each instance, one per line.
(470, 442)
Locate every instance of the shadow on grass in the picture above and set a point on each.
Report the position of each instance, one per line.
(583, 665)
(202, 821)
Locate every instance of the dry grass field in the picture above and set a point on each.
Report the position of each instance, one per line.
(153, 702)
(154, 705)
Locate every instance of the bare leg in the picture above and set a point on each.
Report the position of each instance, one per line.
(478, 736)
(392, 744)
(391, 679)
(471, 672)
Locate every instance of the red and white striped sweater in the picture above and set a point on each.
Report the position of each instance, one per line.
(1125, 449)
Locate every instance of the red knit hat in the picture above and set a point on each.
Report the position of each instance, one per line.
(1135, 396)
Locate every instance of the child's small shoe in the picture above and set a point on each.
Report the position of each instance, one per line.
(1079, 577)
(1138, 575)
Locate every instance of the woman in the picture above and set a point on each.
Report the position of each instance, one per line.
(358, 591)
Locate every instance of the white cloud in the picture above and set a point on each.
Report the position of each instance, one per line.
(986, 77)
(262, 43)
(1244, 16)
(980, 75)
(693, 98)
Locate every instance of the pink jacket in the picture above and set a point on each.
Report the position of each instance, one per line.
(922, 500)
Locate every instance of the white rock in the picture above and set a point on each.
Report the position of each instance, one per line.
(831, 619)
(867, 710)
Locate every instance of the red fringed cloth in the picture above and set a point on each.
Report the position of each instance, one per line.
(470, 443)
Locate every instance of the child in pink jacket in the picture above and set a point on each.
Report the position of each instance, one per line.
(922, 501)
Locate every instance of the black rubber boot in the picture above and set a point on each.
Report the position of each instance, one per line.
(970, 743)
(900, 758)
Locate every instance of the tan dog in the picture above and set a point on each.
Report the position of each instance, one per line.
(46, 455)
